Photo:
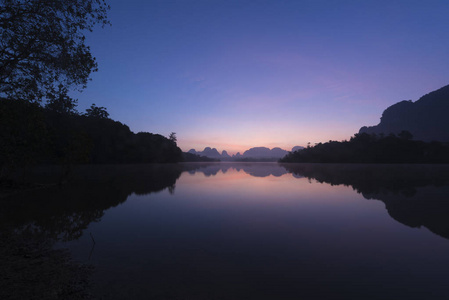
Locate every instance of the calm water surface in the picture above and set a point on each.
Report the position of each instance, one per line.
(259, 231)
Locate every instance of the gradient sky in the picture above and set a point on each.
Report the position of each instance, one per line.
(238, 74)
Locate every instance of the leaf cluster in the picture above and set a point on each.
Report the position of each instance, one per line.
(42, 46)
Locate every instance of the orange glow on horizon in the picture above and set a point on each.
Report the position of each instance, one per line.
(235, 147)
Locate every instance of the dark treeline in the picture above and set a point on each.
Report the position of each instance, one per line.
(43, 57)
(257, 159)
(372, 148)
(190, 157)
(101, 140)
(32, 134)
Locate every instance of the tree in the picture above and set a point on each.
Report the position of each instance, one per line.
(97, 112)
(60, 102)
(42, 46)
(172, 137)
(22, 139)
(406, 135)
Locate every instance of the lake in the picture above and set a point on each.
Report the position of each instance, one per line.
(252, 230)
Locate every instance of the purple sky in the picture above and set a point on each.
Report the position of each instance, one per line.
(238, 74)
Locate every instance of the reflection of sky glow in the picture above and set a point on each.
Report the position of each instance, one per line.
(238, 74)
(236, 187)
(231, 235)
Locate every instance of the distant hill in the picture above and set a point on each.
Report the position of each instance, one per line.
(263, 152)
(209, 152)
(296, 148)
(426, 119)
(252, 154)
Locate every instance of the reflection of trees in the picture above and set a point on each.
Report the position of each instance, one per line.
(64, 212)
(415, 195)
(253, 169)
(31, 221)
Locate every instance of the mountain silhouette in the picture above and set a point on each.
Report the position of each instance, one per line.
(208, 152)
(264, 152)
(296, 148)
(255, 153)
(426, 119)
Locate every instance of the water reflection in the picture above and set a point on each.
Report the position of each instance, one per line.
(63, 212)
(253, 169)
(415, 195)
(252, 231)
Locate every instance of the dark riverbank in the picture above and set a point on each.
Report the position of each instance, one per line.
(31, 269)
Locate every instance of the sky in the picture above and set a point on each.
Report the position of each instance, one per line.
(239, 74)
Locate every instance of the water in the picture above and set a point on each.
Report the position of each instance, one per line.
(256, 231)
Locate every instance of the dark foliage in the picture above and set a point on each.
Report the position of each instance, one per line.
(257, 159)
(42, 46)
(366, 148)
(31, 134)
(97, 112)
(190, 157)
(23, 135)
(94, 139)
(61, 102)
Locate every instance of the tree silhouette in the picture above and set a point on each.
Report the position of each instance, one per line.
(406, 135)
(370, 148)
(97, 112)
(60, 102)
(42, 46)
(23, 135)
(172, 137)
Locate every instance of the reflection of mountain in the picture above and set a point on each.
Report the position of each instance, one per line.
(253, 169)
(64, 212)
(415, 195)
(429, 207)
